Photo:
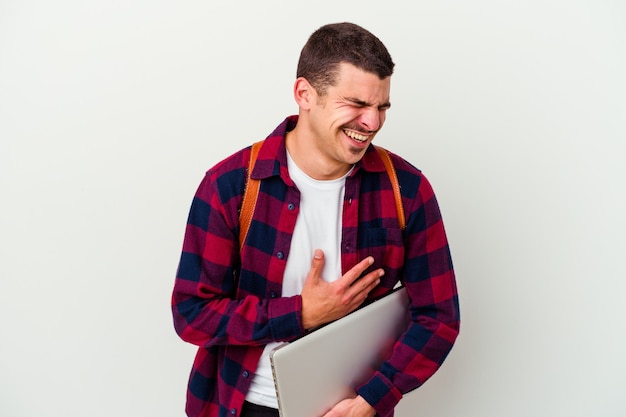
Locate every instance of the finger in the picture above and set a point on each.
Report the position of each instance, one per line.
(355, 272)
(317, 265)
(372, 279)
(362, 287)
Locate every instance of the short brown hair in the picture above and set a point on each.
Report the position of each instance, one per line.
(336, 43)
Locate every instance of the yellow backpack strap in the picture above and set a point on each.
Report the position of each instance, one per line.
(250, 195)
(391, 171)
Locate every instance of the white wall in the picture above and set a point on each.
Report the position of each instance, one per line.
(110, 112)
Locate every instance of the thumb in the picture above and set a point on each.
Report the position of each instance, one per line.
(317, 264)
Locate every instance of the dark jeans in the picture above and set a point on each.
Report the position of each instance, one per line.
(253, 410)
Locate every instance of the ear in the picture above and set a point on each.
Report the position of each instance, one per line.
(304, 93)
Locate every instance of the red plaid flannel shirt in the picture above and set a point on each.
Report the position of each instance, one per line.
(230, 306)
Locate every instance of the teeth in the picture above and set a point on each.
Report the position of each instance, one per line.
(356, 136)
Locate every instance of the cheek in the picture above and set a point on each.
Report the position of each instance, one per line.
(343, 118)
(383, 117)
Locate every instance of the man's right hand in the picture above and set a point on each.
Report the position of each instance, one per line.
(323, 301)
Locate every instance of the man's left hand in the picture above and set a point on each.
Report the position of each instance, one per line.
(352, 407)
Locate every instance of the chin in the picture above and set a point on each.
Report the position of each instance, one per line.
(354, 155)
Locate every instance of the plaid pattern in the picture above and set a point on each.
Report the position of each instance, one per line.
(231, 305)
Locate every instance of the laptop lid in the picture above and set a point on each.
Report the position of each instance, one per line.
(315, 372)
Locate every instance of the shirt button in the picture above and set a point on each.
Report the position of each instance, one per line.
(233, 411)
(280, 255)
(291, 206)
(272, 294)
(245, 374)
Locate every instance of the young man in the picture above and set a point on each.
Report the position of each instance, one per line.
(324, 237)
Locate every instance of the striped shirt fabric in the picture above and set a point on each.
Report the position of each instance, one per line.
(229, 303)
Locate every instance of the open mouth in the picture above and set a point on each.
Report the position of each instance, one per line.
(357, 137)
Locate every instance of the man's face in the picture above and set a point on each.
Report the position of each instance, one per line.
(346, 119)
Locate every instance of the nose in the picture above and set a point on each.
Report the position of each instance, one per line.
(370, 119)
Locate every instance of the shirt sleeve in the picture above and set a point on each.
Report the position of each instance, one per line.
(434, 310)
(207, 306)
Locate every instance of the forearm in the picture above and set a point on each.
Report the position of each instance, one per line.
(217, 320)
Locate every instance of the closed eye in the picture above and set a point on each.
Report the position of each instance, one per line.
(361, 103)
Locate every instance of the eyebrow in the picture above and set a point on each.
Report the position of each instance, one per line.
(359, 102)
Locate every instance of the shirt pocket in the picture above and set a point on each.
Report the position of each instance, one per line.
(386, 245)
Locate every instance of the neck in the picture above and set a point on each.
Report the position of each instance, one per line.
(311, 160)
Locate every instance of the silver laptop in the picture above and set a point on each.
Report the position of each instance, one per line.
(315, 372)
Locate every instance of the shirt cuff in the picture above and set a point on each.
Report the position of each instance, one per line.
(285, 318)
(381, 394)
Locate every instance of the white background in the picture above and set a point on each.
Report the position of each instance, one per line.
(110, 112)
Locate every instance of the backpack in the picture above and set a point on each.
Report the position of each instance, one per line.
(251, 192)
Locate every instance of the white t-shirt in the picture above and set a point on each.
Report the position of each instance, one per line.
(318, 226)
